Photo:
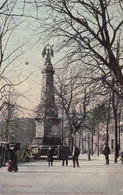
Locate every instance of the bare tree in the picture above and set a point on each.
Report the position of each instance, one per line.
(73, 98)
(90, 30)
(9, 111)
(11, 48)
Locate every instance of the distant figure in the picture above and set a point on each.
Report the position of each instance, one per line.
(64, 154)
(12, 160)
(106, 152)
(75, 155)
(50, 154)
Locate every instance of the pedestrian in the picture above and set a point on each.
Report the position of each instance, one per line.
(65, 153)
(50, 154)
(106, 152)
(12, 160)
(75, 155)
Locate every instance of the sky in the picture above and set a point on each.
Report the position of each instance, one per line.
(29, 62)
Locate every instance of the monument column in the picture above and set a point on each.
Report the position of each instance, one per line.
(48, 128)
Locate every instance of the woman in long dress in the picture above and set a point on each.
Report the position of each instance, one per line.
(12, 160)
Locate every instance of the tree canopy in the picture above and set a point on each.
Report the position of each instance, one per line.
(91, 31)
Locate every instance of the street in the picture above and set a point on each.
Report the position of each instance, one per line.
(93, 177)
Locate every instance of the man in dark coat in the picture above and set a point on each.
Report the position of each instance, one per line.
(75, 155)
(12, 160)
(106, 152)
(65, 153)
(50, 154)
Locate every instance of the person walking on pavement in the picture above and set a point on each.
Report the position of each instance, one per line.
(65, 153)
(50, 154)
(75, 155)
(12, 160)
(106, 152)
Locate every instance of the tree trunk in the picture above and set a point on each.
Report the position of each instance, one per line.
(71, 142)
(119, 129)
(82, 143)
(89, 158)
(119, 137)
(62, 126)
(98, 142)
(92, 142)
(107, 125)
(116, 70)
(115, 121)
(107, 132)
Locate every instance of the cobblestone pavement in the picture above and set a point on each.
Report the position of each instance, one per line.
(92, 178)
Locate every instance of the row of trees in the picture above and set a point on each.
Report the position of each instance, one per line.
(90, 36)
(87, 106)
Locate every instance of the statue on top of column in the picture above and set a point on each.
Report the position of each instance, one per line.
(48, 52)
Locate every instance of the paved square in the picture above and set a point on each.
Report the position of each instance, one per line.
(92, 178)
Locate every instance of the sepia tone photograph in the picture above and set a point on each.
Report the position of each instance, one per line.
(61, 97)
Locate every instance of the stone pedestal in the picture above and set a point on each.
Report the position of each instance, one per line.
(39, 129)
(48, 133)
